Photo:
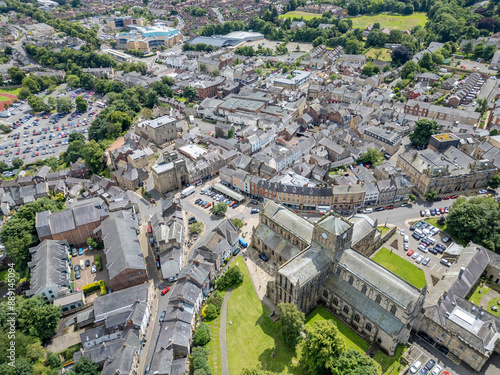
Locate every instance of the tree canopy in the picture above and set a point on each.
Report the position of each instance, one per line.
(372, 156)
(477, 220)
(19, 234)
(292, 323)
(423, 131)
(219, 208)
(323, 346)
(353, 362)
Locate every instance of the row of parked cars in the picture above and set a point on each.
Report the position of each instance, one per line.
(424, 232)
(434, 212)
(430, 368)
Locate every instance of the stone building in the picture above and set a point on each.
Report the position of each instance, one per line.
(445, 172)
(170, 173)
(377, 304)
(160, 130)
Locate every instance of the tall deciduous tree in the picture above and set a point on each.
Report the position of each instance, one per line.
(476, 220)
(93, 155)
(353, 362)
(292, 323)
(63, 104)
(372, 156)
(322, 347)
(424, 129)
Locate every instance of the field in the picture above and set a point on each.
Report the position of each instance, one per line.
(295, 14)
(10, 91)
(4, 98)
(392, 21)
(400, 267)
(384, 55)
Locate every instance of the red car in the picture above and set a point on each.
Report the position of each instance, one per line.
(390, 207)
(165, 291)
(446, 198)
(150, 230)
(441, 210)
(454, 197)
(410, 253)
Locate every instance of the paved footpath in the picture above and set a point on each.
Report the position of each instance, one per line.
(222, 333)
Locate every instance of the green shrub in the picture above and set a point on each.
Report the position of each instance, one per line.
(89, 288)
(97, 261)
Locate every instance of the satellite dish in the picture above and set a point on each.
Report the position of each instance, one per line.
(324, 236)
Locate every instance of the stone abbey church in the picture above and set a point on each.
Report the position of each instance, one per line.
(323, 263)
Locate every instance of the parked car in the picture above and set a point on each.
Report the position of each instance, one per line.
(263, 257)
(426, 261)
(380, 209)
(162, 316)
(430, 364)
(415, 255)
(165, 291)
(390, 207)
(77, 275)
(150, 230)
(93, 269)
(445, 262)
(74, 252)
(236, 251)
(422, 213)
(410, 253)
(446, 210)
(254, 211)
(446, 239)
(254, 202)
(77, 267)
(436, 370)
(419, 259)
(80, 251)
(415, 367)
(87, 263)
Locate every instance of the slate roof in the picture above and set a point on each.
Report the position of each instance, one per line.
(119, 301)
(334, 224)
(276, 242)
(380, 278)
(49, 266)
(121, 246)
(306, 265)
(292, 222)
(365, 306)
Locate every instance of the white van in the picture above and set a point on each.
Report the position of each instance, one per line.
(406, 238)
(418, 232)
(82, 264)
(368, 210)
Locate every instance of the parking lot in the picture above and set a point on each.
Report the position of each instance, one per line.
(37, 137)
(417, 251)
(86, 275)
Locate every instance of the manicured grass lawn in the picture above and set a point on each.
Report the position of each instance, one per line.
(385, 54)
(493, 302)
(383, 229)
(10, 91)
(295, 14)
(389, 365)
(400, 267)
(351, 339)
(4, 98)
(444, 228)
(214, 356)
(476, 296)
(392, 21)
(253, 338)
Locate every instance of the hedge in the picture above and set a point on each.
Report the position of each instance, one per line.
(97, 261)
(89, 288)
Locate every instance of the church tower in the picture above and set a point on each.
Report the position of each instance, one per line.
(333, 233)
